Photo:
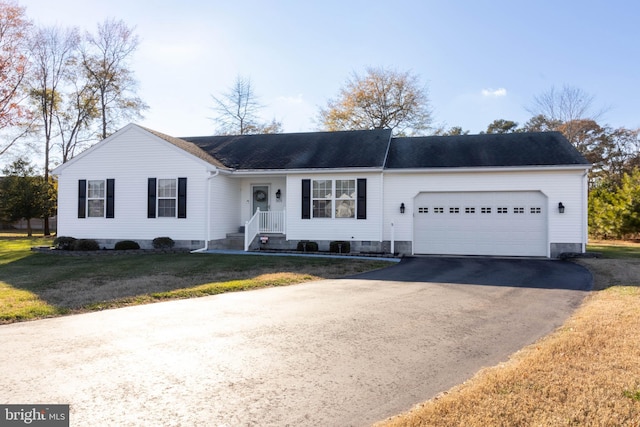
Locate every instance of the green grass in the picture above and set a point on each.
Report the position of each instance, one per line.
(616, 249)
(634, 395)
(35, 285)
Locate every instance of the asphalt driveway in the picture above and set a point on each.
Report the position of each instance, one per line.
(331, 353)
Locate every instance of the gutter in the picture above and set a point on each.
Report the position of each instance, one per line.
(477, 169)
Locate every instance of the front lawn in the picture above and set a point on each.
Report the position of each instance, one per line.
(35, 285)
(615, 249)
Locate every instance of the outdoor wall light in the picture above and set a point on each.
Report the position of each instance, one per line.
(560, 207)
(278, 194)
(401, 208)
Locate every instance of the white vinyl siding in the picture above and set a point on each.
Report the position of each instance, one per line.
(119, 157)
(335, 228)
(566, 186)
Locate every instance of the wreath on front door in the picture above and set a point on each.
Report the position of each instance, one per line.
(260, 195)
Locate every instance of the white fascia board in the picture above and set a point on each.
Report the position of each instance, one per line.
(491, 169)
(247, 172)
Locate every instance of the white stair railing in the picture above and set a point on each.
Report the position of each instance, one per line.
(263, 222)
(272, 222)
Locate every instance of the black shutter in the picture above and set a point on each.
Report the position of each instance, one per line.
(110, 197)
(151, 198)
(306, 199)
(362, 199)
(182, 197)
(82, 198)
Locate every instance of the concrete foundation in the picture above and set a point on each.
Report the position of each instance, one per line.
(560, 248)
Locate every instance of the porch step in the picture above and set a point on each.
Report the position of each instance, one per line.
(274, 242)
(233, 241)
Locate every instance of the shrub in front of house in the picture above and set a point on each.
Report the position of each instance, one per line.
(163, 243)
(85, 245)
(126, 245)
(340, 247)
(64, 243)
(306, 246)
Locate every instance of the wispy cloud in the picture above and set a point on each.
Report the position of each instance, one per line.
(494, 93)
(291, 99)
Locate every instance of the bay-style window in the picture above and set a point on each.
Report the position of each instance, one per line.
(334, 198)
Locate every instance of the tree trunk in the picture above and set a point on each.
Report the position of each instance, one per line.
(45, 218)
(29, 230)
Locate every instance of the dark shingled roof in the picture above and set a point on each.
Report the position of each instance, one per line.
(486, 150)
(350, 149)
(186, 146)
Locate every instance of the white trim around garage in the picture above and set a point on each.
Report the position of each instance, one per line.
(496, 223)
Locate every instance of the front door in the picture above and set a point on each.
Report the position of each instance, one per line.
(260, 197)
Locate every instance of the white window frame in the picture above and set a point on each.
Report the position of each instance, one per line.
(162, 212)
(96, 200)
(330, 201)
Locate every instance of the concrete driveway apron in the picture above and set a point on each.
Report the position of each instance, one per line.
(331, 353)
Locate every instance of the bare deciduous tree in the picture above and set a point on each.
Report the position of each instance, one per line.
(379, 99)
(570, 105)
(77, 112)
(52, 50)
(105, 58)
(238, 111)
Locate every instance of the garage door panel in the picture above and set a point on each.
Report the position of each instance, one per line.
(481, 223)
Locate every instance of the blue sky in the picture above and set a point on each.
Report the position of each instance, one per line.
(480, 60)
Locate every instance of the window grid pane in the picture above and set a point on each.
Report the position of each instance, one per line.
(96, 208)
(322, 189)
(95, 190)
(322, 208)
(345, 189)
(166, 208)
(167, 188)
(345, 208)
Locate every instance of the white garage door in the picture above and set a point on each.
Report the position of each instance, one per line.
(481, 223)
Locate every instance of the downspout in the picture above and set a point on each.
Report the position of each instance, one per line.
(585, 210)
(382, 193)
(382, 207)
(207, 212)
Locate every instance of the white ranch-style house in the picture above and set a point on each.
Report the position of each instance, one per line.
(517, 194)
